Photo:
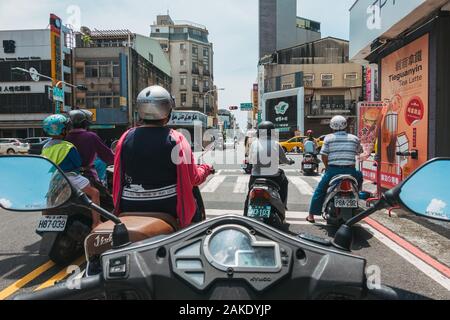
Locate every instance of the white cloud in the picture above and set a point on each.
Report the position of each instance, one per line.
(436, 208)
(5, 203)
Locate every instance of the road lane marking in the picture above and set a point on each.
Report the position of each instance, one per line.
(241, 185)
(302, 186)
(60, 275)
(213, 184)
(23, 281)
(410, 257)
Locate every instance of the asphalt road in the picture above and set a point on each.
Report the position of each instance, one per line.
(23, 270)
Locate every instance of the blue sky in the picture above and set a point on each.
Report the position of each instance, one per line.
(233, 27)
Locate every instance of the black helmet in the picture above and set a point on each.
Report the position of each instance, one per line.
(267, 127)
(80, 118)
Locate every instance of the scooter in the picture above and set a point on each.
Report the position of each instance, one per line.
(264, 203)
(64, 230)
(342, 200)
(226, 258)
(310, 165)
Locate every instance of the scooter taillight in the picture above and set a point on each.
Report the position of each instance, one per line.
(259, 194)
(345, 186)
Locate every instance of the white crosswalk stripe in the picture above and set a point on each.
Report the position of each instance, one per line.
(302, 186)
(213, 184)
(241, 185)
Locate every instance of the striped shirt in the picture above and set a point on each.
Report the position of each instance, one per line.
(341, 149)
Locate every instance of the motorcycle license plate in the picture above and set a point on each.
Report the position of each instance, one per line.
(307, 166)
(52, 224)
(345, 203)
(259, 211)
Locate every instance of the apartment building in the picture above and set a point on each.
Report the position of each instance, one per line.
(191, 58)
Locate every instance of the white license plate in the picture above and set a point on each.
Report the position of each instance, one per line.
(259, 211)
(345, 203)
(307, 166)
(52, 224)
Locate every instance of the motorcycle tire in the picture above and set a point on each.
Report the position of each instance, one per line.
(65, 250)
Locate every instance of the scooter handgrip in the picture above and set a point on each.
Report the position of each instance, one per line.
(82, 289)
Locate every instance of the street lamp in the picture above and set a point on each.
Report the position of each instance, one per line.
(57, 93)
(37, 75)
(207, 94)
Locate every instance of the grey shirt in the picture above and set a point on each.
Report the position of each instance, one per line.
(265, 157)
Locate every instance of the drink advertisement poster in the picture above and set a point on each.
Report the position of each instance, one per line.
(370, 116)
(405, 120)
(283, 113)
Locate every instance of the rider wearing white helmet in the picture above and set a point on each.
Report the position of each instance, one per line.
(338, 153)
(150, 177)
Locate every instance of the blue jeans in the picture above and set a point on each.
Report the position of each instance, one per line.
(321, 191)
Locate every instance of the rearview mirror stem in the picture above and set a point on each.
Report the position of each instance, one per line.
(82, 199)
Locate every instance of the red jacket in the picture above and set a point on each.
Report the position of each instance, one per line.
(189, 175)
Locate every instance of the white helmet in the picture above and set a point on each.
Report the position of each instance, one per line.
(154, 103)
(338, 123)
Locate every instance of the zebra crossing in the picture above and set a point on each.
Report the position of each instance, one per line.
(304, 185)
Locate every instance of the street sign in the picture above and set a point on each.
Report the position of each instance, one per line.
(58, 94)
(246, 106)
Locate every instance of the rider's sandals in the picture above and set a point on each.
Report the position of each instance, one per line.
(310, 220)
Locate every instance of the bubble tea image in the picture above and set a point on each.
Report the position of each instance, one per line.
(390, 130)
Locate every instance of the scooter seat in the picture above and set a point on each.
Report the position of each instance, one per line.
(140, 227)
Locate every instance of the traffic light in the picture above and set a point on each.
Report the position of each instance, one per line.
(233, 108)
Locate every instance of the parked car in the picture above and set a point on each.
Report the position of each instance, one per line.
(293, 145)
(13, 145)
(36, 148)
(35, 140)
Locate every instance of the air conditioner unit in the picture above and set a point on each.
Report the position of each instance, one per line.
(351, 76)
(327, 76)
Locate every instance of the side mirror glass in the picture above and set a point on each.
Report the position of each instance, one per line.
(427, 191)
(31, 183)
(114, 145)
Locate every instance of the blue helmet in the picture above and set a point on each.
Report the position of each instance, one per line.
(54, 125)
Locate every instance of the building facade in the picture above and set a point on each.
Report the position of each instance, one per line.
(25, 103)
(115, 65)
(332, 84)
(280, 28)
(408, 42)
(191, 57)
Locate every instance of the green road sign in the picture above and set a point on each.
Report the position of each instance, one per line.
(246, 106)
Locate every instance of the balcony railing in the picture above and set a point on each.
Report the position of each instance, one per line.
(195, 71)
(206, 72)
(330, 108)
(196, 88)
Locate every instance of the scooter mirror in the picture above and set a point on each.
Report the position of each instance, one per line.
(426, 191)
(32, 183)
(114, 145)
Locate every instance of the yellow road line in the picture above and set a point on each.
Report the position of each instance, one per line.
(23, 281)
(60, 275)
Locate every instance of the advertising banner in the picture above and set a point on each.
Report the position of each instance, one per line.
(283, 113)
(405, 121)
(369, 121)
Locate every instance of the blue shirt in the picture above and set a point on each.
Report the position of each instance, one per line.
(341, 149)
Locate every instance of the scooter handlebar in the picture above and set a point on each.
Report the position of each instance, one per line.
(82, 289)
